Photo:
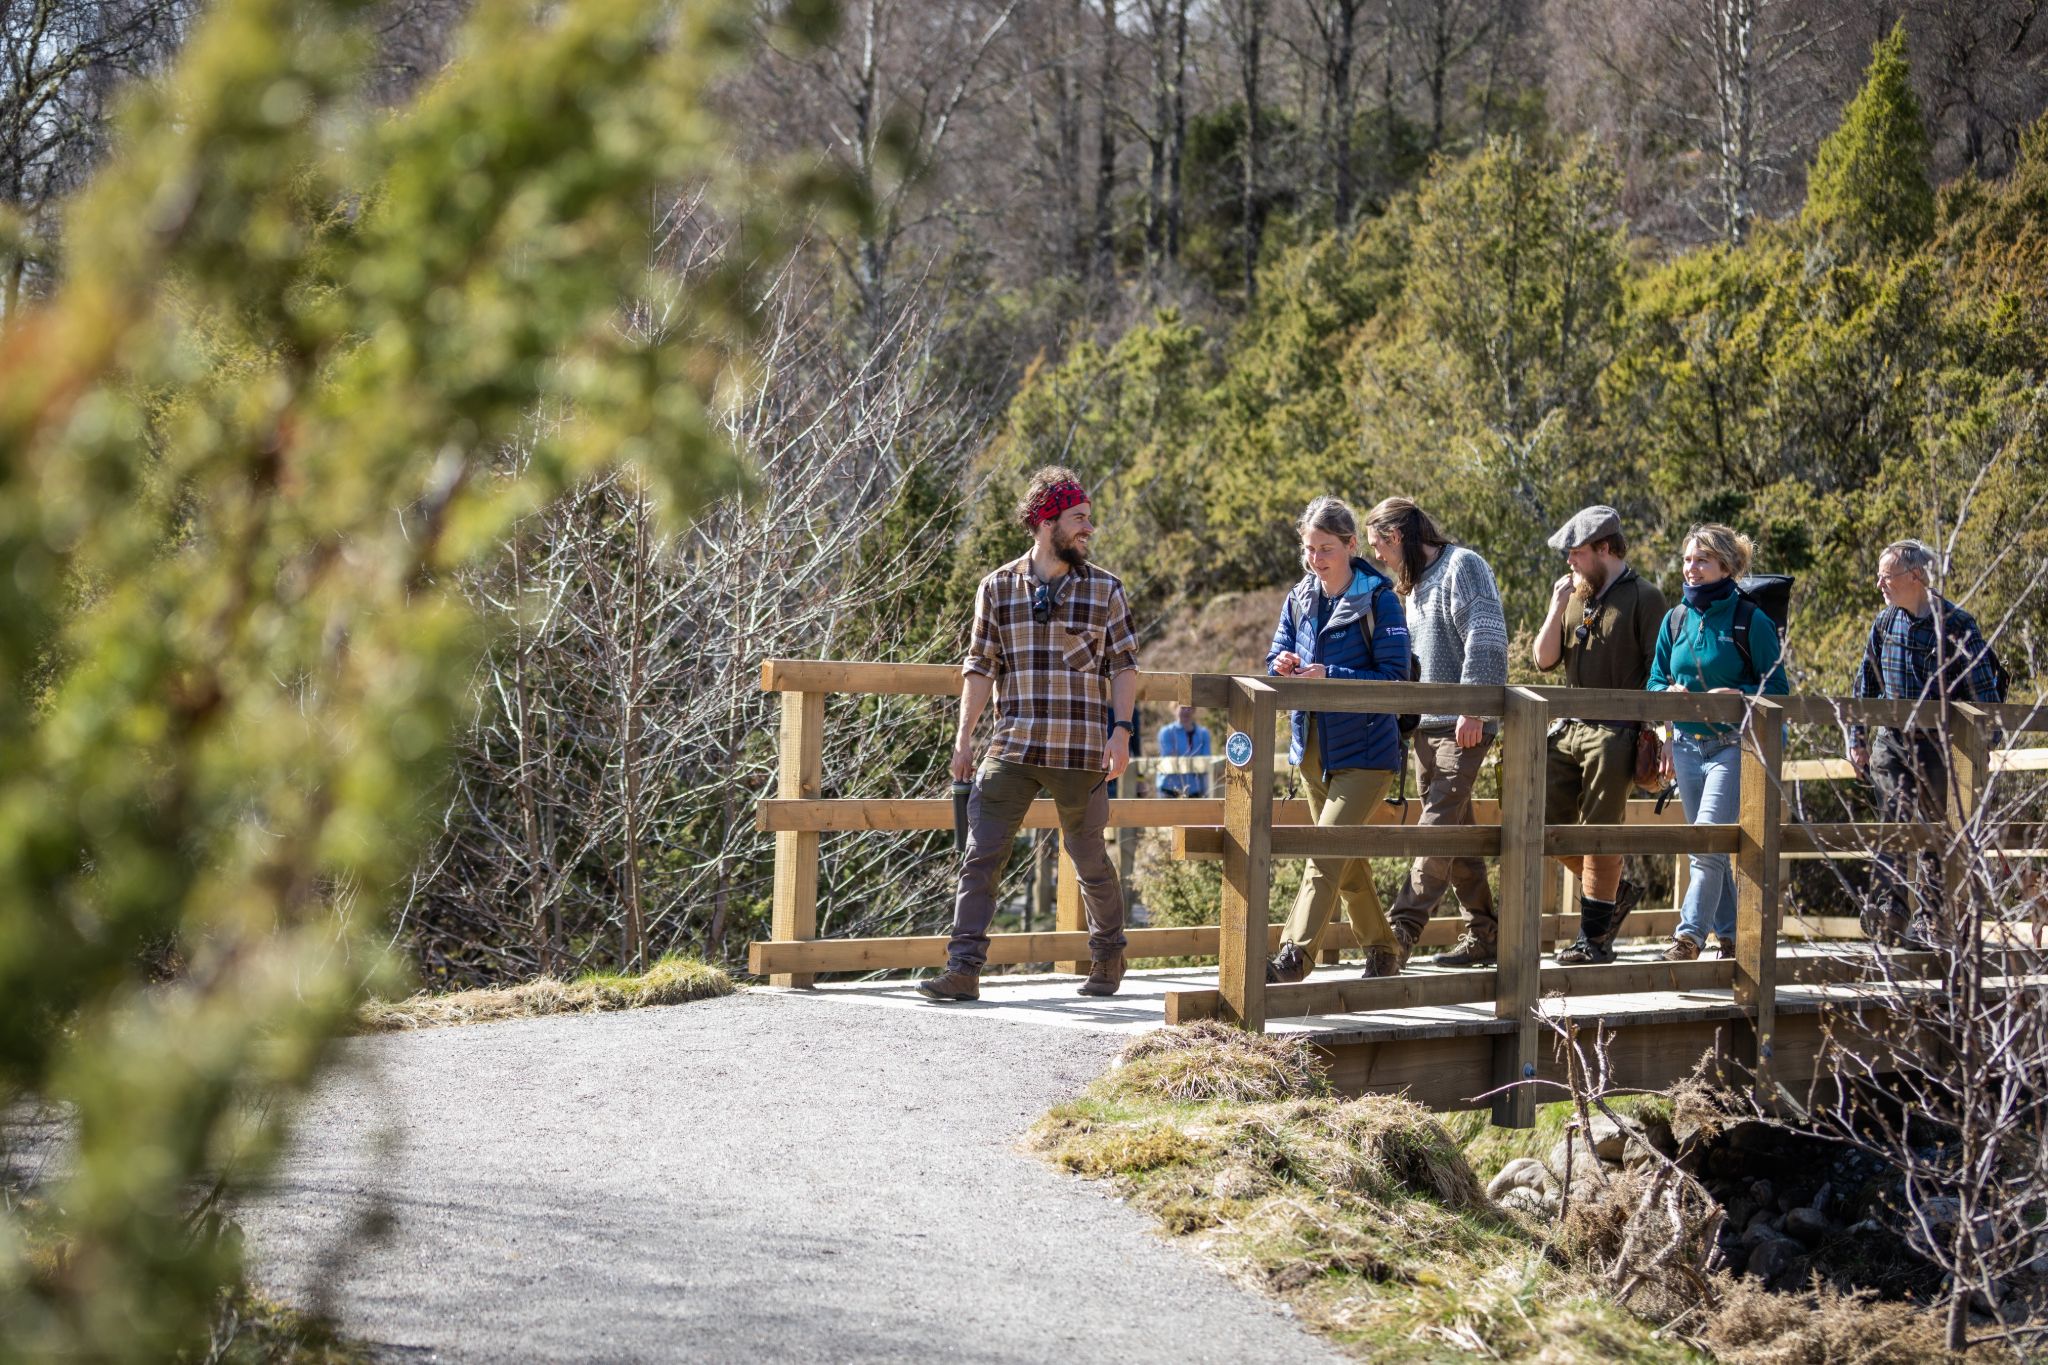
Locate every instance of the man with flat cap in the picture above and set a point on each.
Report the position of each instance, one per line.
(1602, 627)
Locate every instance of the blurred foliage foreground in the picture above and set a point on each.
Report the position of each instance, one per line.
(230, 669)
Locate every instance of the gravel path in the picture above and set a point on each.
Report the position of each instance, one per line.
(775, 1175)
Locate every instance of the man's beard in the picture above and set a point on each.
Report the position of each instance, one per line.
(1585, 585)
(1070, 549)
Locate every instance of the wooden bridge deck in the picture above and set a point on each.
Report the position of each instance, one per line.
(1440, 1055)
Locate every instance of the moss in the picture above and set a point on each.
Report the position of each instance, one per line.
(252, 1329)
(671, 981)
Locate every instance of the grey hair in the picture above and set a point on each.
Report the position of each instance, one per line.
(1332, 516)
(1912, 556)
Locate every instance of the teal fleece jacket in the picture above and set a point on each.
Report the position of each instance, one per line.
(1705, 657)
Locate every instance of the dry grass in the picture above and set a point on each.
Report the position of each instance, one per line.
(1755, 1327)
(671, 981)
(1364, 1215)
(1212, 1061)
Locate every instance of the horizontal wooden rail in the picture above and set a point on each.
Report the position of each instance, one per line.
(774, 815)
(1200, 940)
(1470, 841)
(1362, 995)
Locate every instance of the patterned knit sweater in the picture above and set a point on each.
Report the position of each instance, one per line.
(1455, 622)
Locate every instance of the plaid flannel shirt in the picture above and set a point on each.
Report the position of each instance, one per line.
(1899, 663)
(1052, 680)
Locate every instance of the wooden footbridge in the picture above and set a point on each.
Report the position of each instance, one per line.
(1451, 1039)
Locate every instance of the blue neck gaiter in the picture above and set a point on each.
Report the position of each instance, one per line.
(1706, 594)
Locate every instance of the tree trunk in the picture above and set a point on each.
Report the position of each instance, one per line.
(629, 743)
(1254, 138)
(1344, 191)
(1105, 152)
(1177, 145)
(529, 819)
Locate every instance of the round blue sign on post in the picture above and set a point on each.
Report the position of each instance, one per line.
(1238, 749)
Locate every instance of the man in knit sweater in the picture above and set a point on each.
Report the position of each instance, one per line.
(1460, 635)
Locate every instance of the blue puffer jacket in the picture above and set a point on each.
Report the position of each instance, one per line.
(1350, 739)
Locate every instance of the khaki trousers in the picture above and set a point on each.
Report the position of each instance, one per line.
(1347, 798)
(1590, 773)
(1445, 775)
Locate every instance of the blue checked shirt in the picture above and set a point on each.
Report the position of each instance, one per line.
(1899, 660)
(1175, 742)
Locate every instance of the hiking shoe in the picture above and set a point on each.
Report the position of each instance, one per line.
(1104, 976)
(1404, 945)
(1684, 948)
(1288, 966)
(1584, 951)
(1381, 960)
(1469, 951)
(958, 982)
(1627, 897)
(1725, 949)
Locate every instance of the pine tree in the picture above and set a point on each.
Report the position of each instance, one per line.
(1869, 191)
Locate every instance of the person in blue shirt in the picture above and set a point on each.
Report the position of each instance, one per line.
(1343, 620)
(1182, 738)
(1921, 647)
(1701, 649)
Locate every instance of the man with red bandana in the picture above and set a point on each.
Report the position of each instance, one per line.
(1053, 644)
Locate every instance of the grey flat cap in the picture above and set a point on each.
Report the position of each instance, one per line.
(1591, 523)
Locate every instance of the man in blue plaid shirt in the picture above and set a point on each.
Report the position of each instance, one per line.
(1922, 647)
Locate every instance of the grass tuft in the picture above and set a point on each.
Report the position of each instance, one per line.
(671, 981)
(1213, 1061)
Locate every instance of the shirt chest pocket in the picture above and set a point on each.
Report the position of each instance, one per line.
(1079, 648)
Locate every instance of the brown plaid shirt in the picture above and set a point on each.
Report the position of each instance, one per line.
(1052, 680)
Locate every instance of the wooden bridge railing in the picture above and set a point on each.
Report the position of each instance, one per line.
(1248, 828)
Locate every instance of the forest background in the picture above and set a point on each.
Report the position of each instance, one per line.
(1769, 262)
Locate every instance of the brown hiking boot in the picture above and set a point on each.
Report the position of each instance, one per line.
(1683, 949)
(1104, 976)
(958, 982)
(1627, 897)
(1380, 960)
(1469, 951)
(1404, 947)
(1288, 966)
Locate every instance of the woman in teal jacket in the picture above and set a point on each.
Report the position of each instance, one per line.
(1701, 649)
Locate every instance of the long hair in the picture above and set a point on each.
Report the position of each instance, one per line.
(1418, 531)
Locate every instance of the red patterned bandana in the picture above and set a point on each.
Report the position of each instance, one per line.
(1056, 500)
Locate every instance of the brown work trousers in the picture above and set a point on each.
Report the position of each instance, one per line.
(1003, 793)
(1445, 775)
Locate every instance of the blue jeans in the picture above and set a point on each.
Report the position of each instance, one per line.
(1710, 785)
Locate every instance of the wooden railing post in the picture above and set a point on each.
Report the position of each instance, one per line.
(1518, 976)
(1757, 885)
(1969, 741)
(1247, 858)
(794, 910)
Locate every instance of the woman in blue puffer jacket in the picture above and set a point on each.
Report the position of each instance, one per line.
(1345, 621)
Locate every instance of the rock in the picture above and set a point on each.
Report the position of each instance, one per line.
(1522, 1199)
(1572, 1147)
(1820, 1200)
(1774, 1259)
(1806, 1226)
(1763, 1194)
(1523, 1173)
(1760, 1229)
(1610, 1137)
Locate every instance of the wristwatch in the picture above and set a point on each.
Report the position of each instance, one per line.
(1130, 725)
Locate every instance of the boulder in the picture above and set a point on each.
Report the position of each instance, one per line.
(1610, 1137)
(1776, 1260)
(1522, 1199)
(1523, 1173)
(1807, 1226)
(1572, 1147)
